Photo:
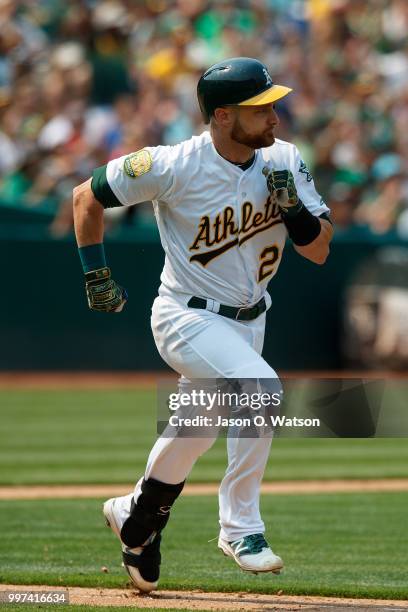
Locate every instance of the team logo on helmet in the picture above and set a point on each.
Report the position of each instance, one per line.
(267, 77)
(138, 163)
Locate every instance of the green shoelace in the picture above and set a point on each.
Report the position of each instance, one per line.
(254, 544)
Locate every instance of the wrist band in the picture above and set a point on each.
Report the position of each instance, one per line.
(303, 227)
(92, 257)
(293, 211)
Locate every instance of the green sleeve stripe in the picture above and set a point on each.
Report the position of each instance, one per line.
(102, 190)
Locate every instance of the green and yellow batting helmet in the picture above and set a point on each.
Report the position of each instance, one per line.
(242, 81)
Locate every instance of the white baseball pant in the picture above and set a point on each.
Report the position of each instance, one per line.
(201, 344)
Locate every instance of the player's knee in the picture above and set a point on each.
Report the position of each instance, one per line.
(258, 369)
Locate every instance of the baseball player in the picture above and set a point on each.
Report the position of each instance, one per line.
(225, 202)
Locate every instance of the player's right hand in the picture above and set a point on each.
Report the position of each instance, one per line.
(104, 295)
(281, 184)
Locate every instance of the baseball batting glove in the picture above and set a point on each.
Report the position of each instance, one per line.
(103, 294)
(281, 185)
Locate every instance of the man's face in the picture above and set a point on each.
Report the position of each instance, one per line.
(254, 126)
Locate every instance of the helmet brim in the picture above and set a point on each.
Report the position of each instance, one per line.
(274, 93)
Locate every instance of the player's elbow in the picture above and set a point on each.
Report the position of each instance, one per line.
(83, 197)
(78, 195)
(316, 252)
(319, 250)
(319, 256)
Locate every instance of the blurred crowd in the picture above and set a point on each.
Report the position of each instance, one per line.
(85, 81)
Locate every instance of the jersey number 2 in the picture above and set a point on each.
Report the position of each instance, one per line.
(267, 258)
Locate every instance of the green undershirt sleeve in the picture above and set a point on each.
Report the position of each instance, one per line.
(102, 190)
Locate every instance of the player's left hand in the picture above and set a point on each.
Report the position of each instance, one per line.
(281, 185)
(103, 293)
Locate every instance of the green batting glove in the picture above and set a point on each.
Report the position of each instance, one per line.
(104, 295)
(281, 185)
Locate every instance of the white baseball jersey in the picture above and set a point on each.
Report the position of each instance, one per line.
(222, 234)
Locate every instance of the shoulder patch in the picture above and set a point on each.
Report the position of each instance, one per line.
(304, 170)
(138, 163)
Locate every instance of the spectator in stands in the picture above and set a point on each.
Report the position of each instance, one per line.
(86, 81)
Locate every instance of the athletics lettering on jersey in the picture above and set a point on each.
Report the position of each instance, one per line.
(225, 227)
(254, 223)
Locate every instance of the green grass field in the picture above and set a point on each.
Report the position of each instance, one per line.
(351, 544)
(334, 544)
(57, 437)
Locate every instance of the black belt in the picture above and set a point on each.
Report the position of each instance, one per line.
(239, 314)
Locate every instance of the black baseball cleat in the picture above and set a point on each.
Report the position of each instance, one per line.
(141, 563)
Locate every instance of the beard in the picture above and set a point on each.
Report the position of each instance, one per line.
(254, 141)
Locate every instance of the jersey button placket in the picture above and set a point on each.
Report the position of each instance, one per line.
(242, 194)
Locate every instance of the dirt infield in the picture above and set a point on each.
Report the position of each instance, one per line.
(198, 600)
(82, 380)
(291, 487)
(148, 380)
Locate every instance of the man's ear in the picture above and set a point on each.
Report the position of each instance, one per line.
(223, 115)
